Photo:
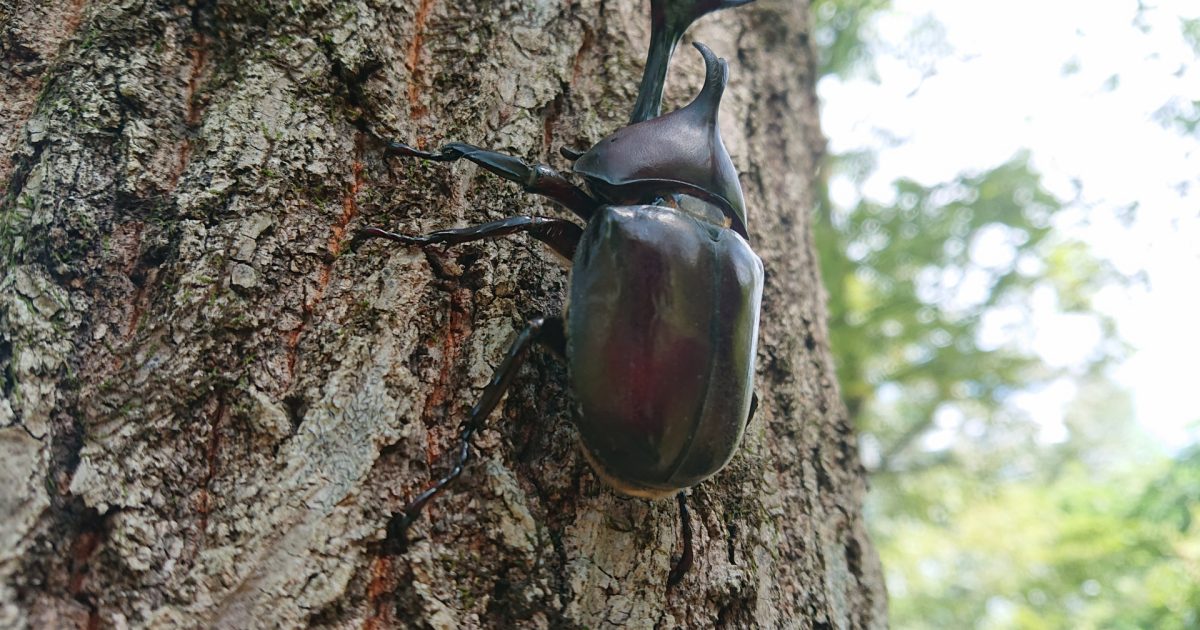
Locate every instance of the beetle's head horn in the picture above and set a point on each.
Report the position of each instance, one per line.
(669, 19)
(680, 152)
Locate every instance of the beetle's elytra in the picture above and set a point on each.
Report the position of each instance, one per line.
(661, 325)
(660, 346)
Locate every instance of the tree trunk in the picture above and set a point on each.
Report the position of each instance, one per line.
(211, 403)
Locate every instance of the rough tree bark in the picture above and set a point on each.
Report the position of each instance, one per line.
(210, 403)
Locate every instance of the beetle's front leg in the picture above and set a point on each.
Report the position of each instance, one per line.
(539, 179)
(545, 330)
(561, 235)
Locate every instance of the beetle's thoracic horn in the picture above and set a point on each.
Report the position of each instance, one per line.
(716, 76)
(681, 151)
(668, 21)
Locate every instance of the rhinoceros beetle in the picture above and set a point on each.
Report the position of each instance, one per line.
(661, 323)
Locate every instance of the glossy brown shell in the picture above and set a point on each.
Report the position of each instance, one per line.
(662, 324)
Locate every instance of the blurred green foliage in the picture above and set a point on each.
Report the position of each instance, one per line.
(839, 30)
(981, 522)
(1085, 551)
(908, 294)
(1181, 114)
(1191, 33)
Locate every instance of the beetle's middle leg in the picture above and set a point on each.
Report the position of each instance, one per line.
(546, 330)
(561, 235)
(539, 179)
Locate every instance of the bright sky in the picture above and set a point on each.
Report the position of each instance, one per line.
(962, 86)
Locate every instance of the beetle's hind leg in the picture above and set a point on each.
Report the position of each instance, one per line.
(539, 179)
(545, 330)
(685, 560)
(561, 235)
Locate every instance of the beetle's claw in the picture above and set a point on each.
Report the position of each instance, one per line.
(448, 153)
(395, 540)
(680, 569)
(387, 546)
(570, 154)
(372, 232)
(395, 147)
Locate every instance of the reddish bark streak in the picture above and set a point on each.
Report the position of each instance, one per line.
(199, 57)
(349, 204)
(413, 61)
(292, 340)
(577, 63)
(204, 499)
(334, 246)
(140, 302)
(82, 550)
(74, 17)
(192, 108)
(383, 582)
(457, 329)
(53, 33)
